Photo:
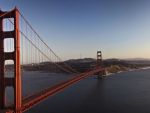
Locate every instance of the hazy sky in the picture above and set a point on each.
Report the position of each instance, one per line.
(74, 28)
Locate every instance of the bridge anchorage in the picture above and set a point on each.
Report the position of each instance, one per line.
(43, 55)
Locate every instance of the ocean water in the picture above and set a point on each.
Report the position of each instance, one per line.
(126, 92)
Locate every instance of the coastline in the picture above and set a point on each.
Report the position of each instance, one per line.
(110, 70)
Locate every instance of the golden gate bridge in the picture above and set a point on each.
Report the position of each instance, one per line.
(22, 48)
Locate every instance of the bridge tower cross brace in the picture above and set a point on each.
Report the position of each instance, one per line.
(15, 81)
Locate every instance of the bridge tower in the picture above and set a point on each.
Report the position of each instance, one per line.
(99, 58)
(15, 81)
(99, 64)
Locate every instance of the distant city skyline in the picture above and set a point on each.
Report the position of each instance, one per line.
(78, 28)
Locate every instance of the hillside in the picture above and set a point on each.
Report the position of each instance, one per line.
(111, 65)
(82, 65)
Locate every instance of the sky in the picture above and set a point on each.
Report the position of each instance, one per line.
(78, 28)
